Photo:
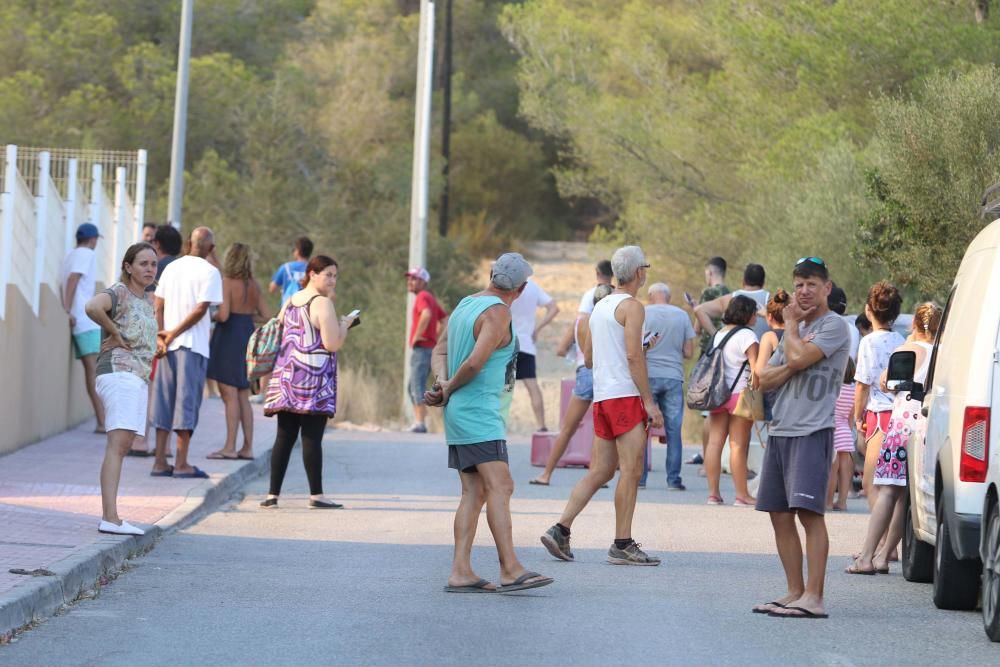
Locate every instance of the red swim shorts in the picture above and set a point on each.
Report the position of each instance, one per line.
(617, 416)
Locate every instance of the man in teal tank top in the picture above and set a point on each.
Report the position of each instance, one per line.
(481, 348)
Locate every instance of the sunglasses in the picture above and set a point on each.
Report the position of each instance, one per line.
(813, 260)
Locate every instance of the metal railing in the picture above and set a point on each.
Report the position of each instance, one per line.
(47, 194)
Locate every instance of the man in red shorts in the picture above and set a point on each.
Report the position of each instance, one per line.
(623, 408)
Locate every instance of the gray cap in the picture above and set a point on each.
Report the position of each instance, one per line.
(510, 271)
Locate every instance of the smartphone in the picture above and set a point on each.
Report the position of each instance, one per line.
(356, 319)
(353, 313)
(647, 338)
(687, 297)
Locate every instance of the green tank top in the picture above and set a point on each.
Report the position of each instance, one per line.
(473, 413)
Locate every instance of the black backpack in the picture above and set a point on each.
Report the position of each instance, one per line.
(707, 388)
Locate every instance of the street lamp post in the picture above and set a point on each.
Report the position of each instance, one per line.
(421, 166)
(180, 116)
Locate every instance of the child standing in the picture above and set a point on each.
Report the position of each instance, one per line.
(843, 443)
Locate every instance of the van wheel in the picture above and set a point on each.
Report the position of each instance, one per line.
(918, 557)
(991, 576)
(956, 582)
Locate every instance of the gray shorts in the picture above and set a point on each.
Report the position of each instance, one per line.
(466, 457)
(177, 390)
(795, 473)
(420, 370)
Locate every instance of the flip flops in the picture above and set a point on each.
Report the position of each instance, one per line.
(538, 482)
(854, 569)
(141, 453)
(477, 587)
(801, 612)
(522, 583)
(169, 472)
(772, 603)
(219, 456)
(196, 473)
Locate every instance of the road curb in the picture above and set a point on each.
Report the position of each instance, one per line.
(94, 565)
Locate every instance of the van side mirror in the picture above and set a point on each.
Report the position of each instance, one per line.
(899, 375)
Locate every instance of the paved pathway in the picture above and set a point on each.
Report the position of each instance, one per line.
(50, 498)
(363, 585)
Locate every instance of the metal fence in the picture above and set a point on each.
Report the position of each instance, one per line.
(47, 194)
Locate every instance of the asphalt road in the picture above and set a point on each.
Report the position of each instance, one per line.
(364, 585)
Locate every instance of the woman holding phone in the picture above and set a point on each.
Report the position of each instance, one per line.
(302, 392)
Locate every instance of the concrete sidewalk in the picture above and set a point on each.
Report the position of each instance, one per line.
(50, 505)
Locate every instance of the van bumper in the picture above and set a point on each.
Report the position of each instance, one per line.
(965, 537)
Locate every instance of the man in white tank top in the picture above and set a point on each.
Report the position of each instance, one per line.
(623, 407)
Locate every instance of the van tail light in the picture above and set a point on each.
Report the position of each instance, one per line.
(975, 445)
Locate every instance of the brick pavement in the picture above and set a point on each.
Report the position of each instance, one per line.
(50, 498)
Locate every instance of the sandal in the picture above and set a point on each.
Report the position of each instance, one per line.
(854, 569)
(522, 583)
(773, 604)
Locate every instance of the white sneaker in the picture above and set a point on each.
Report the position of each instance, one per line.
(125, 529)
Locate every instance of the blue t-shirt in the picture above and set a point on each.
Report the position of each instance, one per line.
(288, 278)
(673, 326)
(474, 412)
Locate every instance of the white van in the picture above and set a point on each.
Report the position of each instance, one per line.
(948, 462)
(989, 546)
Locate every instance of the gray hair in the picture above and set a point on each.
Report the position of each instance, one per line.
(660, 288)
(626, 263)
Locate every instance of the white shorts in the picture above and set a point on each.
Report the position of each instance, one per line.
(126, 400)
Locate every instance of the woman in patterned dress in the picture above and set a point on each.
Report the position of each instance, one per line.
(125, 313)
(890, 469)
(303, 387)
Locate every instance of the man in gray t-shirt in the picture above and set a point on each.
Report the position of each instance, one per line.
(807, 371)
(672, 343)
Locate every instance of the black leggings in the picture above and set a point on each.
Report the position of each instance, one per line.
(312, 427)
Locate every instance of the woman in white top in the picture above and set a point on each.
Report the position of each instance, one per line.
(890, 473)
(739, 354)
(873, 406)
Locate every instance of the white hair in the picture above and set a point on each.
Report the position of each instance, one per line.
(660, 288)
(626, 262)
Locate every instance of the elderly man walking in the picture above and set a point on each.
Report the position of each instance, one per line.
(807, 370)
(186, 290)
(623, 406)
(673, 342)
(480, 362)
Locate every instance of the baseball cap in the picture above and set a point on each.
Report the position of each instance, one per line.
(510, 271)
(87, 231)
(420, 273)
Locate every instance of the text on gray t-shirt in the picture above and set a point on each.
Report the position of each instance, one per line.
(805, 403)
(666, 358)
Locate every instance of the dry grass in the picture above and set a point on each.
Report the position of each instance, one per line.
(364, 399)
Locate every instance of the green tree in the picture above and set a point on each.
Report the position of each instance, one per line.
(934, 154)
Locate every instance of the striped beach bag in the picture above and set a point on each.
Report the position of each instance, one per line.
(262, 350)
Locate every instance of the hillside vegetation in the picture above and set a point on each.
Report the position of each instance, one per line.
(762, 130)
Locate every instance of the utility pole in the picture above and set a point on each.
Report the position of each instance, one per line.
(421, 166)
(180, 116)
(446, 122)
